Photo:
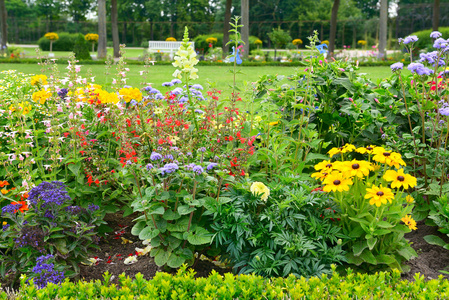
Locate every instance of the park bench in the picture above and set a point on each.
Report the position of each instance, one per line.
(163, 46)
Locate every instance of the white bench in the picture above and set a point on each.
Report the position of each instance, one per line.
(170, 47)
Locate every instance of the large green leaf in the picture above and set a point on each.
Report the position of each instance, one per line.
(385, 259)
(199, 237)
(434, 240)
(148, 233)
(368, 257)
(185, 209)
(407, 252)
(138, 227)
(61, 246)
(161, 257)
(175, 261)
(358, 247)
(170, 215)
(371, 243)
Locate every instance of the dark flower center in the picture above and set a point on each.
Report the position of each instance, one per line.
(328, 165)
(386, 153)
(337, 182)
(380, 193)
(401, 178)
(355, 166)
(369, 148)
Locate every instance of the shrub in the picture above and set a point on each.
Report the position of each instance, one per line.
(202, 44)
(81, 48)
(66, 42)
(425, 41)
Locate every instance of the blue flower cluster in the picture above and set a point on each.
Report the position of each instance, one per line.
(45, 272)
(10, 209)
(169, 168)
(419, 69)
(432, 58)
(48, 194)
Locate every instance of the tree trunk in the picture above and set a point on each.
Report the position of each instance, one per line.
(102, 29)
(245, 28)
(226, 27)
(383, 19)
(114, 25)
(3, 24)
(436, 15)
(333, 29)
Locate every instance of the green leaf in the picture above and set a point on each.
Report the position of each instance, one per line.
(356, 260)
(199, 237)
(434, 240)
(368, 257)
(381, 232)
(385, 259)
(185, 209)
(358, 247)
(148, 233)
(75, 168)
(156, 209)
(371, 243)
(407, 252)
(175, 261)
(356, 232)
(61, 246)
(170, 215)
(138, 227)
(384, 224)
(161, 257)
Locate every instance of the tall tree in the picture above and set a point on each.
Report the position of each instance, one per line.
(114, 26)
(226, 27)
(78, 9)
(436, 15)
(333, 29)
(383, 20)
(102, 29)
(3, 24)
(245, 28)
(50, 10)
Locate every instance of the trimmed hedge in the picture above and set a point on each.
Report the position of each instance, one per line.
(183, 285)
(66, 42)
(200, 41)
(425, 41)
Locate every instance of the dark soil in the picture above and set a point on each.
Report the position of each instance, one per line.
(431, 259)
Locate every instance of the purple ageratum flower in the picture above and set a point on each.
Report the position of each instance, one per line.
(48, 193)
(199, 111)
(62, 93)
(93, 207)
(159, 96)
(176, 81)
(155, 156)
(183, 99)
(168, 156)
(211, 166)
(152, 90)
(148, 88)
(10, 209)
(189, 154)
(198, 170)
(127, 86)
(176, 91)
(435, 34)
(149, 167)
(190, 166)
(202, 149)
(397, 66)
(424, 71)
(410, 39)
(169, 168)
(444, 111)
(167, 84)
(197, 86)
(440, 43)
(45, 272)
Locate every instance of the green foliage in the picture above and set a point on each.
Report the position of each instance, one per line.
(292, 232)
(279, 37)
(202, 45)
(425, 42)
(184, 285)
(66, 42)
(439, 214)
(81, 48)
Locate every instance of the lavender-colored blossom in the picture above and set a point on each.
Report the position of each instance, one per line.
(189, 154)
(414, 66)
(155, 156)
(440, 43)
(397, 66)
(168, 156)
(183, 99)
(199, 111)
(444, 111)
(424, 71)
(133, 102)
(410, 39)
(62, 93)
(176, 91)
(10, 209)
(147, 88)
(174, 148)
(198, 169)
(169, 168)
(435, 34)
(202, 149)
(153, 91)
(149, 167)
(197, 86)
(45, 272)
(159, 96)
(167, 84)
(176, 81)
(48, 214)
(211, 166)
(190, 166)
(74, 209)
(48, 193)
(127, 86)
(93, 207)
(5, 227)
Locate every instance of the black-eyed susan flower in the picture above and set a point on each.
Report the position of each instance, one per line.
(400, 179)
(379, 195)
(359, 168)
(387, 157)
(408, 220)
(320, 175)
(368, 149)
(325, 165)
(335, 181)
(409, 199)
(345, 149)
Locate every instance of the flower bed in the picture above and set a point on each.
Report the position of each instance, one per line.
(282, 180)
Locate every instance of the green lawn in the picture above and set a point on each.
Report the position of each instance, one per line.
(219, 75)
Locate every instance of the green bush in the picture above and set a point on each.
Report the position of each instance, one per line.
(184, 285)
(425, 41)
(81, 48)
(202, 45)
(66, 42)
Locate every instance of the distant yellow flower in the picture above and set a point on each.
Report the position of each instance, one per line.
(297, 42)
(361, 42)
(51, 36)
(368, 149)
(359, 168)
(379, 195)
(325, 42)
(399, 179)
(346, 148)
(408, 220)
(41, 96)
(4, 192)
(170, 39)
(273, 123)
(258, 188)
(335, 181)
(409, 199)
(211, 40)
(91, 37)
(129, 94)
(258, 42)
(324, 165)
(39, 80)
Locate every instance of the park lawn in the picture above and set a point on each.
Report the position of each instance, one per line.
(219, 75)
(30, 52)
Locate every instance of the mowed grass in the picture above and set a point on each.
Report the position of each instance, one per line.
(218, 75)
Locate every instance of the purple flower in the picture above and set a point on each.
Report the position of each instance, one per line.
(189, 154)
(48, 193)
(168, 156)
(414, 66)
(435, 34)
(5, 227)
(198, 169)
(152, 90)
(169, 168)
(410, 39)
(176, 91)
(190, 166)
(159, 96)
(211, 166)
(197, 86)
(93, 207)
(440, 43)
(62, 93)
(424, 71)
(147, 88)
(202, 149)
(44, 272)
(155, 156)
(149, 167)
(397, 66)
(10, 209)
(444, 111)
(183, 99)
(167, 84)
(199, 111)
(176, 81)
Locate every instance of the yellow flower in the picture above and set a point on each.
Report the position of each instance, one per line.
(409, 199)
(297, 42)
(320, 175)
(129, 94)
(379, 195)
(4, 192)
(387, 157)
(170, 39)
(25, 106)
(4, 223)
(408, 220)
(91, 37)
(273, 123)
(359, 168)
(51, 36)
(258, 188)
(211, 40)
(399, 179)
(325, 42)
(41, 96)
(368, 149)
(324, 165)
(346, 148)
(361, 42)
(39, 80)
(335, 181)
(258, 42)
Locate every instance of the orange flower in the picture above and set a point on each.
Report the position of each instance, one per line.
(3, 183)
(24, 206)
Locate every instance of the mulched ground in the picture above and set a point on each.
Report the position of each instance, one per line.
(114, 250)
